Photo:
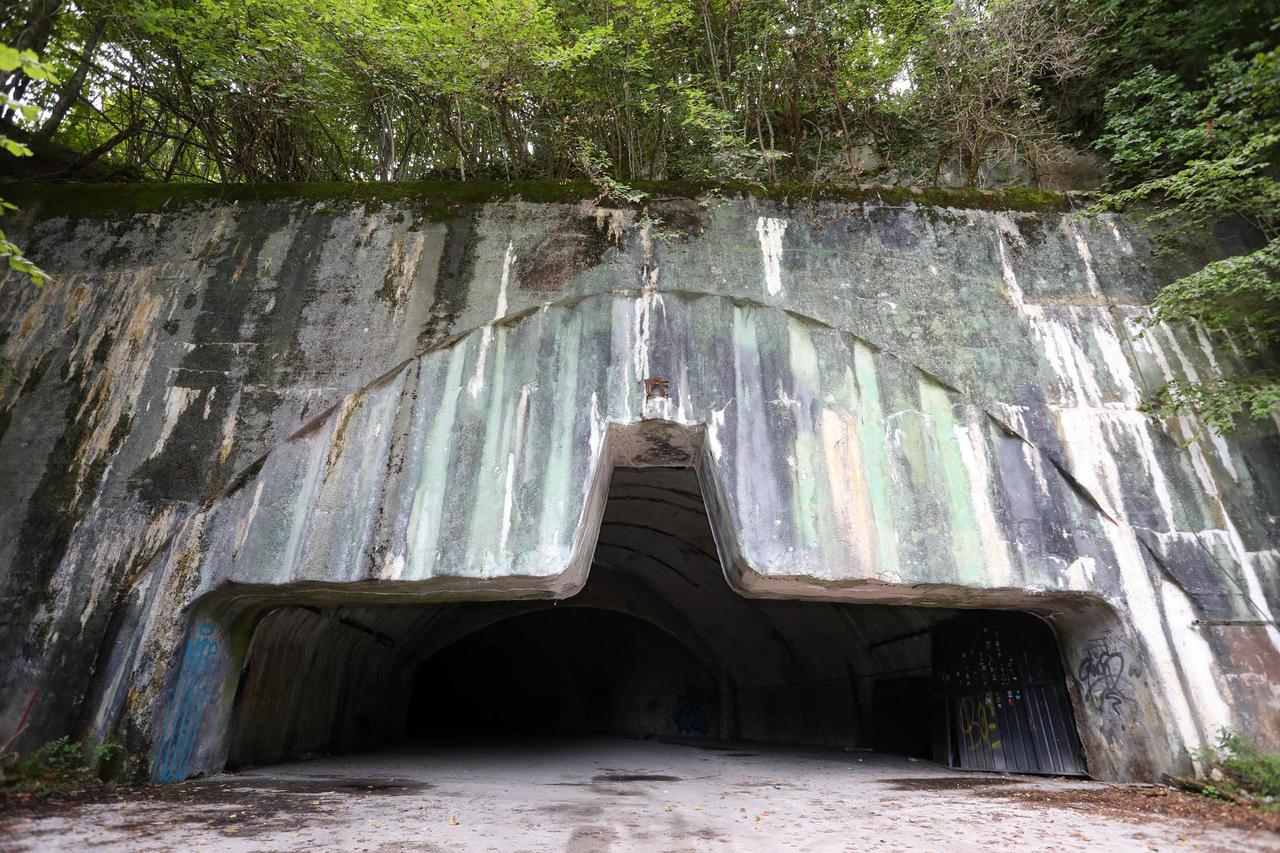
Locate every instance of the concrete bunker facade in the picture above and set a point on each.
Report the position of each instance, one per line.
(270, 455)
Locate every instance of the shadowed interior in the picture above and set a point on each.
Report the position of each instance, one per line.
(562, 671)
(655, 645)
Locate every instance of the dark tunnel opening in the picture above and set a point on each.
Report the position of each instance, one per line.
(567, 670)
(657, 645)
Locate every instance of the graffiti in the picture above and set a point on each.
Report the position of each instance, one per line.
(1101, 675)
(691, 713)
(978, 722)
(195, 687)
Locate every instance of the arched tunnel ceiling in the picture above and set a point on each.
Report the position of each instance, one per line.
(656, 559)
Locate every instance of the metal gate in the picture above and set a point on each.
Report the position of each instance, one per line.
(999, 686)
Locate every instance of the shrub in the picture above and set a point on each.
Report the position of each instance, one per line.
(1241, 770)
(64, 763)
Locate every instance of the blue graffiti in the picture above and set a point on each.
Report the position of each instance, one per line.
(195, 687)
(691, 714)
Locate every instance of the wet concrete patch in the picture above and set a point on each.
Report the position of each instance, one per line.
(573, 811)
(634, 777)
(958, 783)
(328, 784)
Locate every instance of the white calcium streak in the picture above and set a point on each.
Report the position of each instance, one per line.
(1013, 415)
(1120, 239)
(176, 401)
(1081, 572)
(486, 334)
(1215, 437)
(1082, 248)
(1069, 363)
(1088, 448)
(1087, 411)
(771, 231)
(508, 501)
(597, 427)
(1195, 654)
(1113, 356)
(713, 432)
(973, 453)
(427, 515)
(642, 337)
(1234, 542)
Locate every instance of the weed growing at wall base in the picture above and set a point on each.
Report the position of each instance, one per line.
(62, 765)
(1240, 772)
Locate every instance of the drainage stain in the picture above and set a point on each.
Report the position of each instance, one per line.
(331, 785)
(961, 783)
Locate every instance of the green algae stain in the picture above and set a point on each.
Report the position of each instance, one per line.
(810, 497)
(490, 507)
(870, 418)
(558, 481)
(428, 503)
(966, 539)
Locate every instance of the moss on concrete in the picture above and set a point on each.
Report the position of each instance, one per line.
(435, 199)
(440, 200)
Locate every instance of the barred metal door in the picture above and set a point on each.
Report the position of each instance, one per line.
(999, 678)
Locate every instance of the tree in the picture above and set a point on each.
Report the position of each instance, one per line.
(978, 79)
(1204, 156)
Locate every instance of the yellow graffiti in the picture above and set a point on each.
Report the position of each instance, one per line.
(978, 722)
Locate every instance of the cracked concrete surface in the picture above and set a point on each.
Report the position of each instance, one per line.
(611, 794)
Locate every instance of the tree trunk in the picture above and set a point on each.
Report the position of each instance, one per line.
(844, 128)
(33, 36)
(70, 91)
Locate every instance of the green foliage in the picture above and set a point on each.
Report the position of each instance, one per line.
(1178, 38)
(750, 90)
(599, 170)
(22, 63)
(1182, 96)
(12, 59)
(1141, 110)
(1240, 298)
(1240, 293)
(1240, 770)
(1218, 402)
(61, 756)
(62, 763)
(979, 80)
(1198, 156)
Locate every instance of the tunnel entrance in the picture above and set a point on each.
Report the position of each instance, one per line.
(657, 645)
(567, 670)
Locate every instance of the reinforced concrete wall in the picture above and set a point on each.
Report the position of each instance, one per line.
(226, 402)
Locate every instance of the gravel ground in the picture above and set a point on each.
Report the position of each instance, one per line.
(612, 794)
